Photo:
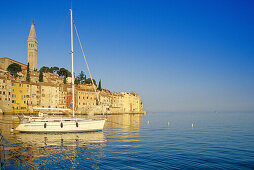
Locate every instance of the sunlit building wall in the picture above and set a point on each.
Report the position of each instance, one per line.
(18, 97)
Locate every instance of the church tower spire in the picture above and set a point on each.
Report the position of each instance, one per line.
(32, 48)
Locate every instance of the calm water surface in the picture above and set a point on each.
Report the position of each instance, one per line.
(133, 141)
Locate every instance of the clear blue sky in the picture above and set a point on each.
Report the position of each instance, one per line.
(178, 55)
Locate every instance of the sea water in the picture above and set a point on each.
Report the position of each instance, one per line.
(188, 140)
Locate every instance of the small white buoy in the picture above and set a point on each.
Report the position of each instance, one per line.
(192, 125)
(148, 122)
(168, 123)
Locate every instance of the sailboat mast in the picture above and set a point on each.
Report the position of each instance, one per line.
(72, 67)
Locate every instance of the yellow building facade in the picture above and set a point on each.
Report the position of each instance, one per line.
(19, 97)
(131, 102)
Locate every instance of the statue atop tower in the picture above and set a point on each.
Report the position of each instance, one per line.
(32, 48)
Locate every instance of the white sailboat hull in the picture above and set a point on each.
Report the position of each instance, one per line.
(86, 125)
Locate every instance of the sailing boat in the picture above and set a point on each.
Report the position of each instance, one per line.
(61, 124)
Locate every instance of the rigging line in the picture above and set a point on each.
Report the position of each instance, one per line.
(84, 58)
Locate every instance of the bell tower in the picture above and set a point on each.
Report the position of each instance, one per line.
(32, 48)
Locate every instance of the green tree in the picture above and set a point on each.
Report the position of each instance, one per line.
(81, 77)
(41, 76)
(76, 81)
(53, 69)
(14, 68)
(64, 80)
(89, 81)
(44, 69)
(62, 72)
(27, 73)
(99, 86)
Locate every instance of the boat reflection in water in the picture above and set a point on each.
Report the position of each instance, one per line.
(60, 139)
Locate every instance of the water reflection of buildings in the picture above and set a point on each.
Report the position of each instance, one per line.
(125, 126)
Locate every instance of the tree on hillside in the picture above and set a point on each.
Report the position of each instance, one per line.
(89, 81)
(41, 76)
(77, 81)
(44, 69)
(99, 86)
(27, 73)
(54, 69)
(81, 77)
(14, 68)
(64, 81)
(62, 72)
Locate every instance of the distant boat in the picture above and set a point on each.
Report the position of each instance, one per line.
(61, 124)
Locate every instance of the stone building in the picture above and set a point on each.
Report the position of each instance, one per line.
(117, 102)
(63, 95)
(5, 94)
(33, 96)
(86, 97)
(132, 102)
(105, 97)
(5, 62)
(32, 48)
(49, 95)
